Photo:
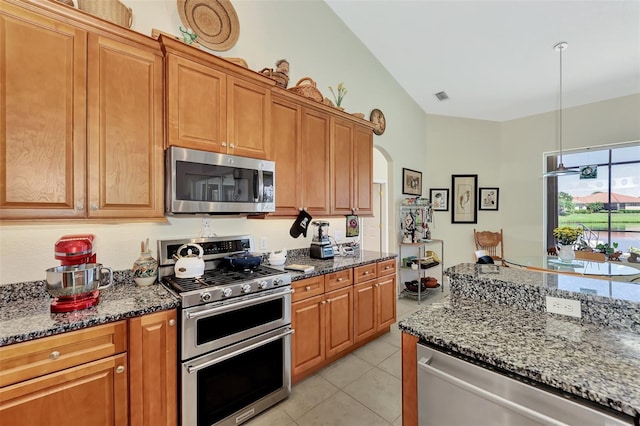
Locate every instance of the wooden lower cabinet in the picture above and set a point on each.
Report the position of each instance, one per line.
(121, 373)
(90, 394)
(153, 369)
(331, 324)
(374, 306)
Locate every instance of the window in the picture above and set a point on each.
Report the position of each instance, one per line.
(604, 198)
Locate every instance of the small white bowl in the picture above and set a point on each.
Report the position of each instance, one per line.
(277, 262)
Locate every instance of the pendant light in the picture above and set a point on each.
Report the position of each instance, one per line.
(561, 170)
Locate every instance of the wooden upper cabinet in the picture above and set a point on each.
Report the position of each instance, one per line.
(351, 168)
(249, 118)
(125, 125)
(286, 142)
(42, 116)
(212, 108)
(315, 161)
(341, 167)
(196, 105)
(363, 170)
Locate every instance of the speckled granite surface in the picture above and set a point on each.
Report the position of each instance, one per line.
(358, 258)
(498, 321)
(25, 314)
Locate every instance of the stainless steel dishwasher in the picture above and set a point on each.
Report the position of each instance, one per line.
(452, 392)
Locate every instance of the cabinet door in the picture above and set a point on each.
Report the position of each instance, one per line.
(363, 170)
(341, 167)
(42, 116)
(286, 132)
(315, 161)
(125, 147)
(89, 394)
(339, 317)
(196, 105)
(364, 307)
(386, 301)
(153, 373)
(249, 117)
(308, 341)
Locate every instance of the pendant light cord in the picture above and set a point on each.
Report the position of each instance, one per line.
(560, 122)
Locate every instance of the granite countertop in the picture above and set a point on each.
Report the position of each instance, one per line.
(590, 359)
(25, 314)
(327, 266)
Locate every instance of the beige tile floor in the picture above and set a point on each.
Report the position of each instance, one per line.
(361, 389)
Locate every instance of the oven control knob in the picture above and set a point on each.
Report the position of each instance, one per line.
(246, 288)
(226, 292)
(205, 297)
(262, 285)
(277, 282)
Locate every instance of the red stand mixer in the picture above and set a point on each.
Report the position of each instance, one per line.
(76, 283)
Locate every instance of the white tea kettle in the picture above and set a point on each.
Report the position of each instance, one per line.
(189, 266)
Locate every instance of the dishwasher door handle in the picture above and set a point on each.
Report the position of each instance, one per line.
(423, 363)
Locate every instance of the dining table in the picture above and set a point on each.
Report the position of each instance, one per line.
(549, 263)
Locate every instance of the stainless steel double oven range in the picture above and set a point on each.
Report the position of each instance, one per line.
(235, 334)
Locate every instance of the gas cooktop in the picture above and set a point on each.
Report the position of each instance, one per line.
(220, 282)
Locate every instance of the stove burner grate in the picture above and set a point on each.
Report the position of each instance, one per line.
(219, 277)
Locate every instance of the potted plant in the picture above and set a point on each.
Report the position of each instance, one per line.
(606, 249)
(566, 236)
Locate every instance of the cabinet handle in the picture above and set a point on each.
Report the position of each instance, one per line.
(308, 288)
(387, 267)
(223, 144)
(80, 206)
(120, 369)
(328, 300)
(324, 302)
(172, 322)
(377, 285)
(366, 272)
(94, 206)
(340, 279)
(54, 355)
(233, 145)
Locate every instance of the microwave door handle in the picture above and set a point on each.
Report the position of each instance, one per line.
(258, 185)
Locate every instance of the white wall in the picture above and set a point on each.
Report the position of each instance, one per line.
(316, 44)
(509, 155)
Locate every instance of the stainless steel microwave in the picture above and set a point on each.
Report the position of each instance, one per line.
(208, 182)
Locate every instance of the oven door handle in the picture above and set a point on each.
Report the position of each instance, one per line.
(194, 368)
(207, 312)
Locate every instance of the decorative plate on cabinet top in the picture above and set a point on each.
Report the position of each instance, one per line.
(377, 118)
(214, 21)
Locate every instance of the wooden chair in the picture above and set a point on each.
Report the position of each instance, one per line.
(590, 255)
(491, 243)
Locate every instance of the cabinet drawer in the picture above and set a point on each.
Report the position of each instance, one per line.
(38, 357)
(386, 267)
(338, 279)
(307, 288)
(364, 273)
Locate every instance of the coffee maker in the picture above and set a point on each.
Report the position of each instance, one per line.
(321, 247)
(72, 250)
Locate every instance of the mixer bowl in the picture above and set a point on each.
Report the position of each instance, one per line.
(74, 280)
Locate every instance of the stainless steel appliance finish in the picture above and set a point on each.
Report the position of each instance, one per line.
(235, 344)
(209, 182)
(452, 391)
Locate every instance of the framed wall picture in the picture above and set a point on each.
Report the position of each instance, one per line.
(464, 200)
(488, 198)
(411, 182)
(439, 198)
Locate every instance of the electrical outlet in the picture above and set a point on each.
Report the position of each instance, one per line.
(570, 307)
(263, 243)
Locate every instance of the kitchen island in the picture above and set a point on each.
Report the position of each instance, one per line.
(496, 316)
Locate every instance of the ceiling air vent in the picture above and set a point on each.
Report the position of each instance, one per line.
(442, 96)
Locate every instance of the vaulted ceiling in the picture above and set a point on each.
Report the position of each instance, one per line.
(496, 59)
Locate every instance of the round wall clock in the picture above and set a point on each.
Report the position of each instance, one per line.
(377, 118)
